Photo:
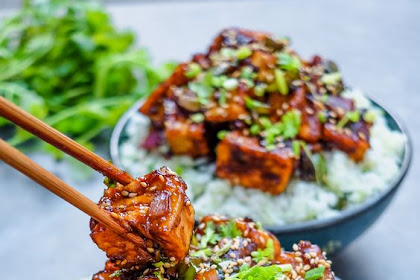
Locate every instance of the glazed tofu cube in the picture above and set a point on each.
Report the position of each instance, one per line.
(353, 142)
(242, 160)
(186, 138)
(157, 209)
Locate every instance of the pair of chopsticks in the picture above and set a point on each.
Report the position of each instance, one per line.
(25, 165)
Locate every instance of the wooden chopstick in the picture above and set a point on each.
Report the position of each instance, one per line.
(25, 165)
(16, 115)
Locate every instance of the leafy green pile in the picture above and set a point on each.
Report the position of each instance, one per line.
(64, 62)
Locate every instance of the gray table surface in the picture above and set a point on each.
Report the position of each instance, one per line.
(376, 43)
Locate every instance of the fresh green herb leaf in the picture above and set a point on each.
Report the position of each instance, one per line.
(315, 273)
(158, 264)
(267, 253)
(193, 70)
(65, 62)
(281, 82)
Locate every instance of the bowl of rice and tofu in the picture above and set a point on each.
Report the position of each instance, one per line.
(257, 131)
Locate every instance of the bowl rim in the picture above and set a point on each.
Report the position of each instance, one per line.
(316, 224)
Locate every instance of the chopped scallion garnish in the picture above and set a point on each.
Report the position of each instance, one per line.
(197, 118)
(243, 52)
(222, 134)
(281, 82)
(230, 84)
(331, 78)
(193, 70)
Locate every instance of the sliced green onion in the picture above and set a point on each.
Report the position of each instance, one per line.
(197, 118)
(222, 97)
(222, 134)
(321, 117)
(193, 70)
(230, 84)
(266, 123)
(369, 116)
(255, 129)
(285, 267)
(255, 104)
(228, 52)
(354, 116)
(296, 148)
(243, 52)
(331, 78)
(248, 73)
(217, 81)
(281, 82)
(315, 273)
(259, 90)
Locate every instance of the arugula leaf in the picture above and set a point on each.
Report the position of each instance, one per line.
(66, 63)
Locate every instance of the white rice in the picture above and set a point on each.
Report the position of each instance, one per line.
(302, 200)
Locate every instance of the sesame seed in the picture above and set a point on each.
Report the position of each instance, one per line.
(172, 259)
(132, 194)
(361, 135)
(124, 262)
(213, 266)
(150, 250)
(188, 203)
(143, 184)
(298, 259)
(232, 255)
(261, 238)
(161, 178)
(295, 247)
(167, 265)
(306, 267)
(246, 233)
(152, 188)
(309, 111)
(313, 254)
(124, 193)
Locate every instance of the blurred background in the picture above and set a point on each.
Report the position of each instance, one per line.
(375, 43)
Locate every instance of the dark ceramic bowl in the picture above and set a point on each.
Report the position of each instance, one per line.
(331, 234)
